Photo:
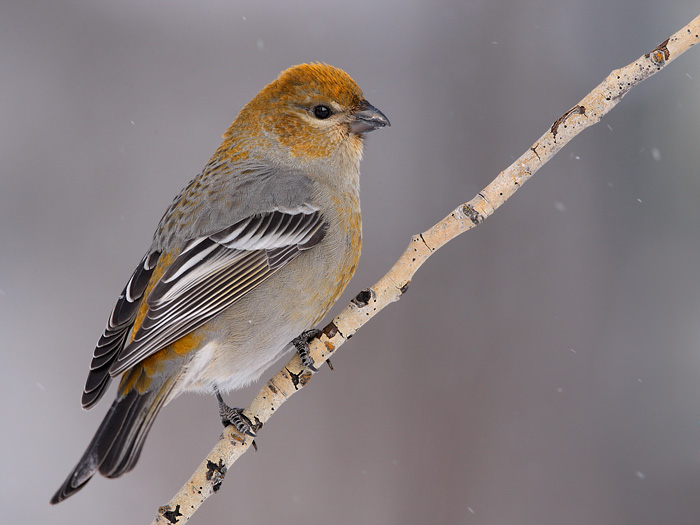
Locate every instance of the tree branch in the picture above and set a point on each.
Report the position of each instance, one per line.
(209, 475)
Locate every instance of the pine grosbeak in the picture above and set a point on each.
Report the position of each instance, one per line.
(253, 252)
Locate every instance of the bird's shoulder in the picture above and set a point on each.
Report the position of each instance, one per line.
(223, 194)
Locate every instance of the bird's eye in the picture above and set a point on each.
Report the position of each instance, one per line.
(322, 112)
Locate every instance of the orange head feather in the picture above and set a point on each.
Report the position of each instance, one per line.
(280, 123)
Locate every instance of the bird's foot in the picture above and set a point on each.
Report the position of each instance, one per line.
(235, 416)
(301, 343)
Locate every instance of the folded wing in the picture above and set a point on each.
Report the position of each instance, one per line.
(210, 274)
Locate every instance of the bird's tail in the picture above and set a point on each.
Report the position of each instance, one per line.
(116, 447)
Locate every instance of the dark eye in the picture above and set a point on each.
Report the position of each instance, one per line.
(322, 112)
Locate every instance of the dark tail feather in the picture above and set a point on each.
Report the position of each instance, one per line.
(116, 447)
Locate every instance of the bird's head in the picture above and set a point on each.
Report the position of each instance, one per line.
(311, 113)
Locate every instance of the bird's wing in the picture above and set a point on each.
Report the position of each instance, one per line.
(213, 272)
(118, 327)
(208, 275)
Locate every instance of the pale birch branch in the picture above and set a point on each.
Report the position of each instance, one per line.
(209, 475)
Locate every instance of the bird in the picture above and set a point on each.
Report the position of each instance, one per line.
(247, 259)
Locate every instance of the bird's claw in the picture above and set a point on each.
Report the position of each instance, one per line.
(301, 344)
(235, 416)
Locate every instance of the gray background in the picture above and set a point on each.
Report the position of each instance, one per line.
(543, 368)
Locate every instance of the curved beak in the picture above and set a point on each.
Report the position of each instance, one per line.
(366, 118)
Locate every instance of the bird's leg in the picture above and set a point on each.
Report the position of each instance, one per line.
(301, 343)
(236, 417)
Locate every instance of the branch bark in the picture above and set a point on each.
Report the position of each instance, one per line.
(208, 477)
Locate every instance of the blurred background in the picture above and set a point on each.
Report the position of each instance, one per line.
(543, 368)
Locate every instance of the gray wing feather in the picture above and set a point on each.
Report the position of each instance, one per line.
(213, 272)
(223, 195)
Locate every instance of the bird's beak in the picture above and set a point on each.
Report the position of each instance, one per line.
(366, 118)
